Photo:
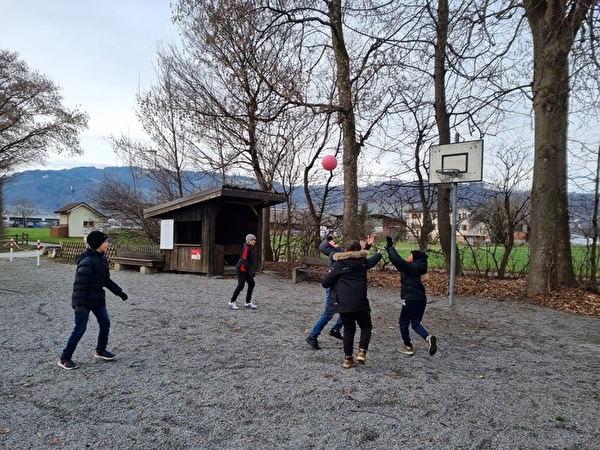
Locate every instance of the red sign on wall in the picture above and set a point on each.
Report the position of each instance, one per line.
(196, 253)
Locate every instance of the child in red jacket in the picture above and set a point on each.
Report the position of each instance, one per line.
(245, 274)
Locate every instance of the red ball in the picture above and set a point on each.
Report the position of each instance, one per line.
(329, 162)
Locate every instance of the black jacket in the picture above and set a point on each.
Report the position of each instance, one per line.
(348, 281)
(91, 278)
(329, 250)
(246, 260)
(412, 289)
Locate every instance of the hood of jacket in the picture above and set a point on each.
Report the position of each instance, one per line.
(350, 255)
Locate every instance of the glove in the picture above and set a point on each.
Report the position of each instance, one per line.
(123, 296)
(390, 242)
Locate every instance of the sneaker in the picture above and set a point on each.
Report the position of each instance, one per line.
(361, 356)
(313, 342)
(67, 364)
(232, 305)
(336, 334)
(431, 344)
(407, 349)
(105, 355)
(348, 362)
(250, 306)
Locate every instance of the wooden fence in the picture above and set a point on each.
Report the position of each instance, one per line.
(18, 238)
(71, 250)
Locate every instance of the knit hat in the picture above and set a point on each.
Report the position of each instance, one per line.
(249, 238)
(418, 255)
(95, 239)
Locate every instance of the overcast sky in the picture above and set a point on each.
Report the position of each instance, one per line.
(98, 52)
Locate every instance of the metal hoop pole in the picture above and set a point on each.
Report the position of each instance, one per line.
(453, 246)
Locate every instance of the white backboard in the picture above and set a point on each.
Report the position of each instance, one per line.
(463, 158)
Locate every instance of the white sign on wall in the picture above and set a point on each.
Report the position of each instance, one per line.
(167, 227)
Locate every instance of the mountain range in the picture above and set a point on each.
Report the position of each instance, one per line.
(49, 190)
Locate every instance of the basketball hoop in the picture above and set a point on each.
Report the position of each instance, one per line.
(448, 175)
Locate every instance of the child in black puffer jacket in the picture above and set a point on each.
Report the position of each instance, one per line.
(412, 293)
(91, 278)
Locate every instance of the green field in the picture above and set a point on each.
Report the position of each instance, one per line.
(481, 260)
(32, 235)
(485, 260)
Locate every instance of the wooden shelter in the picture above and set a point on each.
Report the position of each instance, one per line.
(205, 232)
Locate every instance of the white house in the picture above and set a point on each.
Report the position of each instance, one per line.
(465, 230)
(78, 219)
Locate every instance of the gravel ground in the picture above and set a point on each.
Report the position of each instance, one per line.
(190, 373)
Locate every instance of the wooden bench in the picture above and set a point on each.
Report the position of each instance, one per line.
(52, 251)
(310, 264)
(146, 261)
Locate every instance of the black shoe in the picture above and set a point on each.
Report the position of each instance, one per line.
(336, 334)
(107, 356)
(67, 364)
(313, 343)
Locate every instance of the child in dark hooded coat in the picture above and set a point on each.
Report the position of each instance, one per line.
(414, 299)
(348, 297)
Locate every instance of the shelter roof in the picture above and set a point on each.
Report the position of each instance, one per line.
(261, 199)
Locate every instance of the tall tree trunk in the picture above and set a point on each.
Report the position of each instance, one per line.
(593, 251)
(442, 118)
(508, 247)
(553, 31)
(347, 122)
(266, 235)
(1, 205)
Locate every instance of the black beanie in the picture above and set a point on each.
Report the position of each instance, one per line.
(417, 254)
(95, 239)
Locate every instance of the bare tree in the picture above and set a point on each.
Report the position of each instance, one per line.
(167, 157)
(583, 207)
(554, 26)
(474, 46)
(352, 41)
(126, 203)
(221, 82)
(33, 120)
(595, 229)
(507, 203)
(513, 198)
(24, 208)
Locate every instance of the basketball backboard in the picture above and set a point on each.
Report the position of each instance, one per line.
(457, 163)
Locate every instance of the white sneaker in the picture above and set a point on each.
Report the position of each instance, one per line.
(232, 305)
(250, 306)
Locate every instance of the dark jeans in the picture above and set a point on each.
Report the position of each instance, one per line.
(82, 315)
(244, 277)
(363, 319)
(412, 314)
(325, 318)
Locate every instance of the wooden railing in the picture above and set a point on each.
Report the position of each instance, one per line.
(18, 239)
(71, 250)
